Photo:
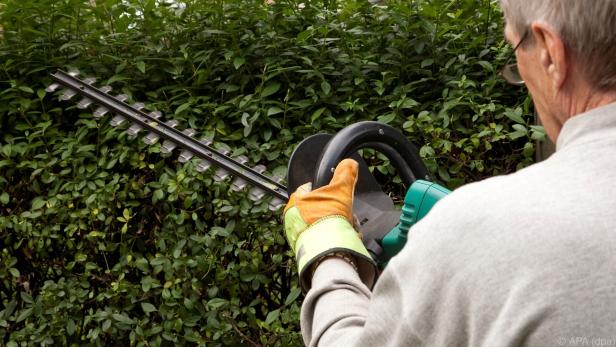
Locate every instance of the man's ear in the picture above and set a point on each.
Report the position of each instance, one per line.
(553, 56)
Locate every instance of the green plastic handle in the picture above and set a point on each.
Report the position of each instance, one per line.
(419, 200)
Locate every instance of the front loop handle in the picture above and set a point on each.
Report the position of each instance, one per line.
(378, 136)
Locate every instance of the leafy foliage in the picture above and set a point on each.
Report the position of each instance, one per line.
(104, 240)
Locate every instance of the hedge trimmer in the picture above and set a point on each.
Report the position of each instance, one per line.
(383, 227)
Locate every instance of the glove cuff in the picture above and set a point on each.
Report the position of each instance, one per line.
(329, 235)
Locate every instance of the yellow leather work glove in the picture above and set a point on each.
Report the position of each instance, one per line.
(320, 222)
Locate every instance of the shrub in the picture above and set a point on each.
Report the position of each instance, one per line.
(105, 241)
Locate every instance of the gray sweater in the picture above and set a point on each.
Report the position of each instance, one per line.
(527, 259)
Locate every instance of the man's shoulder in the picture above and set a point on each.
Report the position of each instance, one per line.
(505, 192)
(498, 213)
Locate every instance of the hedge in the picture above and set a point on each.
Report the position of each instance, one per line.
(106, 241)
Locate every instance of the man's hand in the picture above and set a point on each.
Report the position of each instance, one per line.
(319, 223)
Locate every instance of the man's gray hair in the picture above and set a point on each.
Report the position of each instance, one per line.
(587, 27)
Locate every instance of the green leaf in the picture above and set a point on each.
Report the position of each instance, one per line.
(158, 195)
(274, 110)
(272, 316)
(427, 62)
(26, 297)
(116, 78)
(217, 303)
(238, 62)
(70, 327)
(293, 295)
(529, 150)
(426, 152)
(111, 164)
(408, 103)
(147, 307)
(122, 318)
(486, 65)
(221, 231)
(106, 325)
(515, 115)
(388, 118)
(91, 199)
(23, 314)
(316, 114)
(226, 208)
(141, 66)
(26, 89)
(326, 87)
(182, 107)
(14, 272)
(519, 127)
(270, 89)
(517, 134)
(38, 203)
(6, 150)
(4, 198)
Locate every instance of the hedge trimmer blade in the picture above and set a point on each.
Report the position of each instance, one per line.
(201, 151)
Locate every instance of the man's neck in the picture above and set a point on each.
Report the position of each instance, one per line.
(583, 98)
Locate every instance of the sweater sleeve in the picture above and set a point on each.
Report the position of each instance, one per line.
(336, 306)
(339, 310)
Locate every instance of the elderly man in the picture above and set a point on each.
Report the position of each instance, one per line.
(523, 259)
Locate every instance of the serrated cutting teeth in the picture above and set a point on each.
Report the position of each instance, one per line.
(259, 168)
(223, 150)
(74, 73)
(84, 103)
(89, 80)
(275, 204)
(239, 184)
(133, 130)
(242, 159)
(136, 128)
(100, 112)
(122, 97)
(206, 141)
(185, 156)
(117, 120)
(169, 146)
(106, 89)
(138, 105)
(203, 165)
(151, 138)
(52, 87)
(67, 95)
(221, 175)
(256, 194)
